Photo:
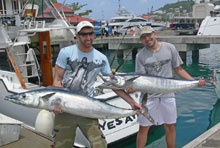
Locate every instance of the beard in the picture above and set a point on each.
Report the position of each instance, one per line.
(152, 45)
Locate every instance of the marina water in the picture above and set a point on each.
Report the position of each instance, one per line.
(198, 108)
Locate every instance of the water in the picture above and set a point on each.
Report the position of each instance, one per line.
(198, 108)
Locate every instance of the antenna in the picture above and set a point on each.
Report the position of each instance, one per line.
(119, 5)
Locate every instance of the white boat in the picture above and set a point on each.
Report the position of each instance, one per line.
(26, 66)
(211, 24)
(125, 21)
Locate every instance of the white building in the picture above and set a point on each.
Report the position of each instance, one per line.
(201, 10)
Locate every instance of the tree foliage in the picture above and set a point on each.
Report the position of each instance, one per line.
(76, 6)
(54, 1)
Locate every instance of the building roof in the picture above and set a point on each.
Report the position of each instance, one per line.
(65, 8)
(74, 19)
(58, 6)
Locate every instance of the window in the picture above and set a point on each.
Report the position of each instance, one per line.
(2, 7)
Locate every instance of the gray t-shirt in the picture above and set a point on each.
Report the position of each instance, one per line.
(158, 63)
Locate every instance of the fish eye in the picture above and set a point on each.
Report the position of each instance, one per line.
(23, 95)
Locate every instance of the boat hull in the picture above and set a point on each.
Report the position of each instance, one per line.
(210, 26)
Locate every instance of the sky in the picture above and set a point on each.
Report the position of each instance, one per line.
(106, 9)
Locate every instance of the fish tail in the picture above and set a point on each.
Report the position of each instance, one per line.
(145, 110)
(212, 79)
(147, 115)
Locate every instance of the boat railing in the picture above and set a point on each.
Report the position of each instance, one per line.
(7, 13)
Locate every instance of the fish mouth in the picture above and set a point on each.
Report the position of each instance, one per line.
(8, 97)
(12, 98)
(106, 85)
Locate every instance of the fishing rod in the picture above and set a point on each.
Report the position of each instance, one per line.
(118, 50)
(119, 66)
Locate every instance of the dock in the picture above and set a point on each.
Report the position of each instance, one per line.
(209, 139)
(30, 138)
(182, 43)
(125, 44)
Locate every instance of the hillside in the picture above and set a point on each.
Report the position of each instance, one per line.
(180, 8)
(181, 5)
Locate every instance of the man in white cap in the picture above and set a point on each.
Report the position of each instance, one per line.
(159, 59)
(77, 67)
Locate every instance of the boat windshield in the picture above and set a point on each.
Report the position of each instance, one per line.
(117, 20)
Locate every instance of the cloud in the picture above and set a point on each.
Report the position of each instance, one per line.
(143, 1)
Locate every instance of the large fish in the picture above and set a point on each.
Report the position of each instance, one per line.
(151, 84)
(69, 102)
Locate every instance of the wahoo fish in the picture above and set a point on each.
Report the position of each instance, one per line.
(69, 102)
(151, 84)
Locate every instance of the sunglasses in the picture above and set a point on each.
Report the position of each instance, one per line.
(86, 33)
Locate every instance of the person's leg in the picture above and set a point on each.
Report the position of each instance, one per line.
(142, 136)
(65, 129)
(90, 129)
(170, 135)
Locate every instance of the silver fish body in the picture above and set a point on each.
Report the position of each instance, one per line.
(70, 103)
(148, 84)
(161, 85)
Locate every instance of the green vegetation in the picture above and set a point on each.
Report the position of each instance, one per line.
(181, 5)
(76, 6)
(180, 8)
(54, 1)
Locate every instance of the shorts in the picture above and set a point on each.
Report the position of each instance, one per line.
(65, 130)
(162, 110)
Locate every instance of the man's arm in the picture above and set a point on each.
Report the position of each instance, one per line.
(186, 76)
(121, 93)
(59, 72)
(128, 99)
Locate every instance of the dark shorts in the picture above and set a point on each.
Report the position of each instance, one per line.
(65, 129)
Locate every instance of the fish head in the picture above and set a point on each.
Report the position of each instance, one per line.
(118, 81)
(115, 82)
(26, 99)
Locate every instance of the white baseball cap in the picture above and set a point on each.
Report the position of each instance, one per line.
(83, 24)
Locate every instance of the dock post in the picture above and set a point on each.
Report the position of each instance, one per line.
(195, 55)
(183, 55)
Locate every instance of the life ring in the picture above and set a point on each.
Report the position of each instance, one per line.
(132, 31)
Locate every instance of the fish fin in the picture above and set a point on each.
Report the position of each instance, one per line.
(145, 110)
(56, 87)
(47, 96)
(212, 79)
(129, 78)
(147, 115)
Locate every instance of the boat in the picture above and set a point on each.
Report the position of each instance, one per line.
(125, 20)
(29, 45)
(211, 24)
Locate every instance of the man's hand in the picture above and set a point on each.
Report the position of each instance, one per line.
(202, 82)
(57, 109)
(130, 90)
(135, 105)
